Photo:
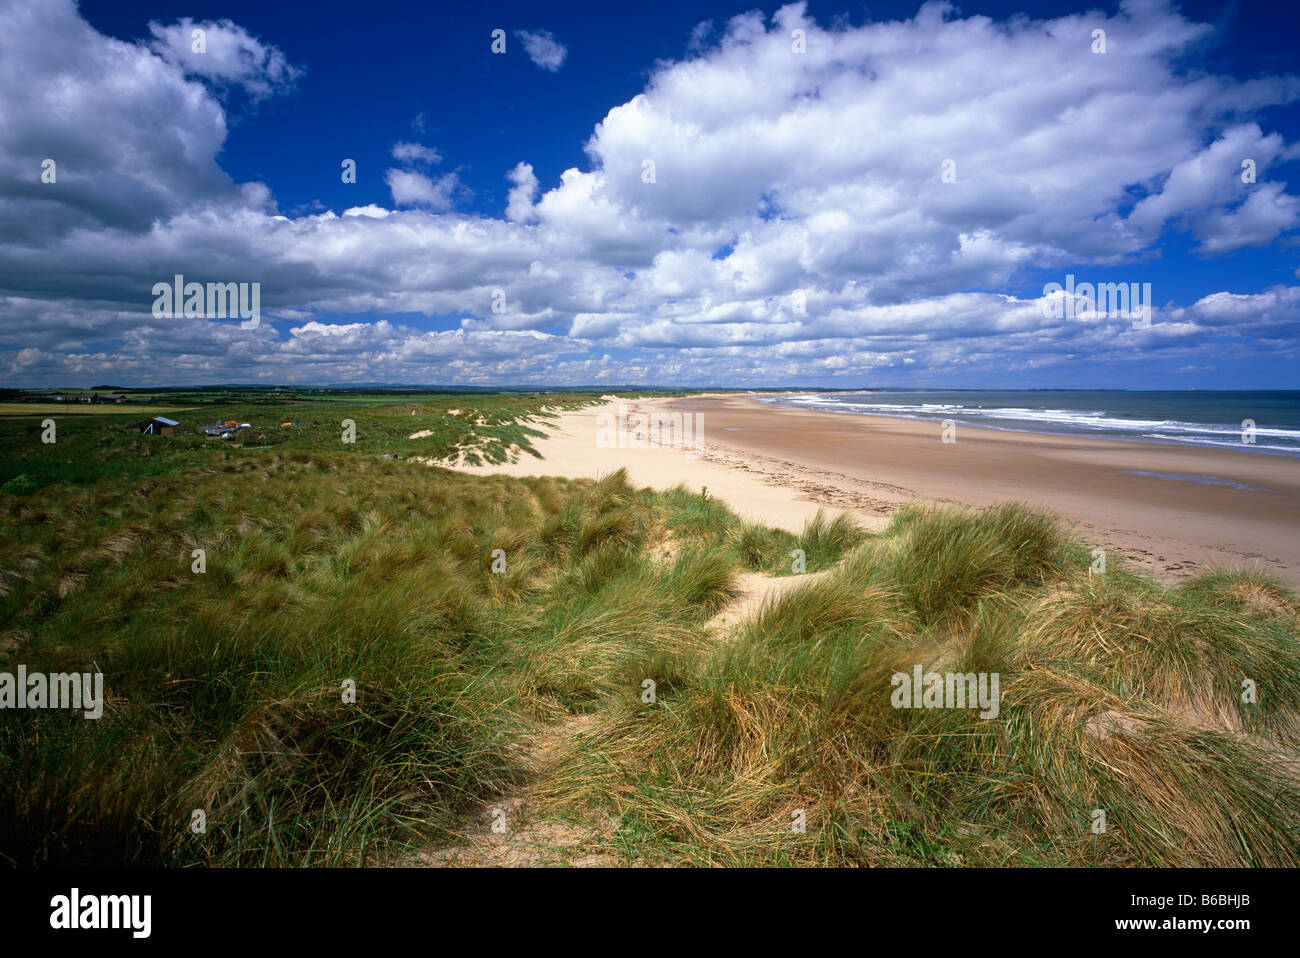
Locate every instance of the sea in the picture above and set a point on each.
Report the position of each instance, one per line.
(1271, 418)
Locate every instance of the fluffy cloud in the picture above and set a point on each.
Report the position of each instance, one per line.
(66, 94)
(799, 222)
(411, 188)
(543, 49)
(416, 189)
(224, 52)
(523, 193)
(416, 153)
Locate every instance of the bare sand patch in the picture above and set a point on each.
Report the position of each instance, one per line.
(571, 449)
(755, 590)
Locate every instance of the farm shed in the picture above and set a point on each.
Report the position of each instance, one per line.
(157, 426)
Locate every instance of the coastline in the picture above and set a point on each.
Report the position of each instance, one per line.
(778, 465)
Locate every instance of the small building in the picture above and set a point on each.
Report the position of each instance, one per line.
(157, 426)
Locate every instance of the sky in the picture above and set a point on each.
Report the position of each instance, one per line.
(816, 194)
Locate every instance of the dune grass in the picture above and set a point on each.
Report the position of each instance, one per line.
(783, 747)
(477, 616)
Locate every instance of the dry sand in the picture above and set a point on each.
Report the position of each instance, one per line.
(779, 466)
(571, 450)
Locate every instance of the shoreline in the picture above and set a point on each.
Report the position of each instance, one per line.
(778, 465)
(1256, 449)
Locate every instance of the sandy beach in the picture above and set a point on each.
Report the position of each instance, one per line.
(575, 448)
(779, 466)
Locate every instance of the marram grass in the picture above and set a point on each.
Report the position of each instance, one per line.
(1172, 710)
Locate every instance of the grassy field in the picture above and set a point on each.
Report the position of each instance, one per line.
(11, 410)
(86, 451)
(500, 635)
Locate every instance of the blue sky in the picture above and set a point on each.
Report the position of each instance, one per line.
(798, 229)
